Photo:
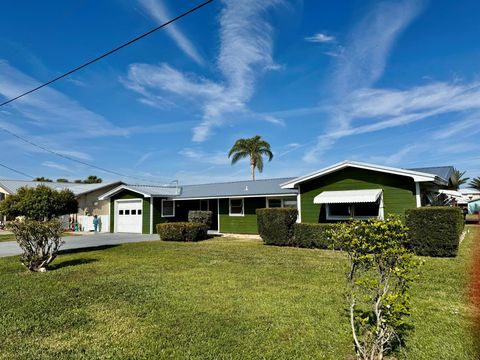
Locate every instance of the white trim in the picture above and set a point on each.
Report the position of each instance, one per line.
(418, 197)
(299, 205)
(151, 215)
(218, 214)
(173, 201)
(415, 175)
(235, 196)
(120, 188)
(230, 207)
(352, 216)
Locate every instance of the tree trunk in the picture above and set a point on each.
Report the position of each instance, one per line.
(252, 170)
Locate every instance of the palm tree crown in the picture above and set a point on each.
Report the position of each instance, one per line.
(475, 183)
(458, 179)
(254, 148)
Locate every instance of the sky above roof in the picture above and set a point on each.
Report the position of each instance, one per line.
(388, 82)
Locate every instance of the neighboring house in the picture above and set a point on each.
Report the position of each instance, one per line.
(471, 194)
(342, 191)
(86, 194)
(474, 206)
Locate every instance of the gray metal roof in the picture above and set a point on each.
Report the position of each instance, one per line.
(12, 186)
(236, 188)
(444, 172)
(153, 190)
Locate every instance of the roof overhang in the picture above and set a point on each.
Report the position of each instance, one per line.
(120, 188)
(233, 196)
(100, 187)
(415, 175)
(348, 196)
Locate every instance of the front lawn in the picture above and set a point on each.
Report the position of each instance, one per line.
(221, 298)
(7, 237)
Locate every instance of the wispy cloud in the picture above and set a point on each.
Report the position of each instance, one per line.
(143, 158)
(158, 11)
(320, 38)
(245, 52)
(57, 166)
(213, 158)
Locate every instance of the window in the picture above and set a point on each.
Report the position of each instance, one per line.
(120, 212)
(357, 211)
(2, 196)
(134, 212)
(290, 203)
(168, 208)
(139, 212)
(274, 203)
(127, 212)
(236, 207)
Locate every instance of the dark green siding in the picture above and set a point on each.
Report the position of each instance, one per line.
(398, 191)
(246, 224)
(125, 195)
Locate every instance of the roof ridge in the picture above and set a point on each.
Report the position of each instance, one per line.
(238, 181)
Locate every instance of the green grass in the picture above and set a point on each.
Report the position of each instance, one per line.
(220, 298)
(7, 237)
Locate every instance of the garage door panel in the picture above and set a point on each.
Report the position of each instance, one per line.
(128, 216)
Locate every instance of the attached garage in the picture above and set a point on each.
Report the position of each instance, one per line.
(128, 216)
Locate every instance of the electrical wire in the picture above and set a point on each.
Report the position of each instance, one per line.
(16, 171)
(108, 53)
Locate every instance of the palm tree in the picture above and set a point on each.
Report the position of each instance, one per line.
(254, 148)
(457, 179)
(475, 183)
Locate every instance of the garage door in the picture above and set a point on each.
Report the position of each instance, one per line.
(129, 216)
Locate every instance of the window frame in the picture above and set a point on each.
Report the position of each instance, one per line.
(230, 207)
(272, 198)
(352, 211)
(173, 208)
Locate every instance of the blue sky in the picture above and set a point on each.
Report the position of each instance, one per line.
(389, 82)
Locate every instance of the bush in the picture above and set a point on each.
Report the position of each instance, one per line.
(435, 231)
(314, 236)
(40, 242)
(200, 217)
(275, 226)
(181, 231)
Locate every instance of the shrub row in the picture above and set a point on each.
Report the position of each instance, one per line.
(435, 231)
(314, 236)
(275, 226)
(182, 231)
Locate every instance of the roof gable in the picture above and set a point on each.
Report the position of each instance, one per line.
(415, 175)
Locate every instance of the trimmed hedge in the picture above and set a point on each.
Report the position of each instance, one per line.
(181, 231)
(435, 231)
(200, 217)
(314, 236)
(275, 226)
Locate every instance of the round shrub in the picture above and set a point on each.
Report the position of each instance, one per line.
(275, 226)
(200, 217)
(181, 231)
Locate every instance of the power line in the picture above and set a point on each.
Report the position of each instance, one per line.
(71, 158)
(16, 171)
(108, 53)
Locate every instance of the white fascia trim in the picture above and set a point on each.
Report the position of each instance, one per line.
(418, 197)
(151, 215)
(235, 197)
(120, 188)
(299, 205)
(415, 175)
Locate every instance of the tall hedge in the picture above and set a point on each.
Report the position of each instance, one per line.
(276, 226)
(181, 231)
(314, 236)
(435, 231)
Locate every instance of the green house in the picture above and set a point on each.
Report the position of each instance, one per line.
(339, 192)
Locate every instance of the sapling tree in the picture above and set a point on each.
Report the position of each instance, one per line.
(39, 232)
(381, 270)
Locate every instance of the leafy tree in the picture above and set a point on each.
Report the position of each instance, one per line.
(381, 270)
(62, 180)
(42, 179)
(254, 148)
(475, 183)
(92, 179)
(457, 179)
(39, 203)
(78, 181)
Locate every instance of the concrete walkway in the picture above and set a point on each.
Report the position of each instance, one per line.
(9, 248)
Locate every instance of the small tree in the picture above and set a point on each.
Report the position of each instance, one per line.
(255, 149)
(42, 179)
(381, 269)
(457, 179)
(475, 183)
(39, 236)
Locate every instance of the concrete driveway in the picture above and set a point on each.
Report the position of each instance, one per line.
(10, 248)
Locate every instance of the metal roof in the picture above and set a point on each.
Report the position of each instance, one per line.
(444, 172)
(236, 189)
(145, 190)
(348, 196)
(12, 186)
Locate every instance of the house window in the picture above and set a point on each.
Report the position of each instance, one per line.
(274, 203)
(139, 212)
(134, 212)
(355, 211)
(2, 196)
(120, 212)
(236, 207)
(168, 208)
(290, 203)
(127, 212)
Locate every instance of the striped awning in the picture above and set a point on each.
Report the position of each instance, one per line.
(348, 196)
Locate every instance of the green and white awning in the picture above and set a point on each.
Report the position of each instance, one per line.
(348, 196)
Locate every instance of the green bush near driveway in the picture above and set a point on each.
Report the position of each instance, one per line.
(181, 231)
(314, 236)
(435, 231)
(276, 226)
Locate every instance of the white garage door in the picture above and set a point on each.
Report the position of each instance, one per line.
(129, 216)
